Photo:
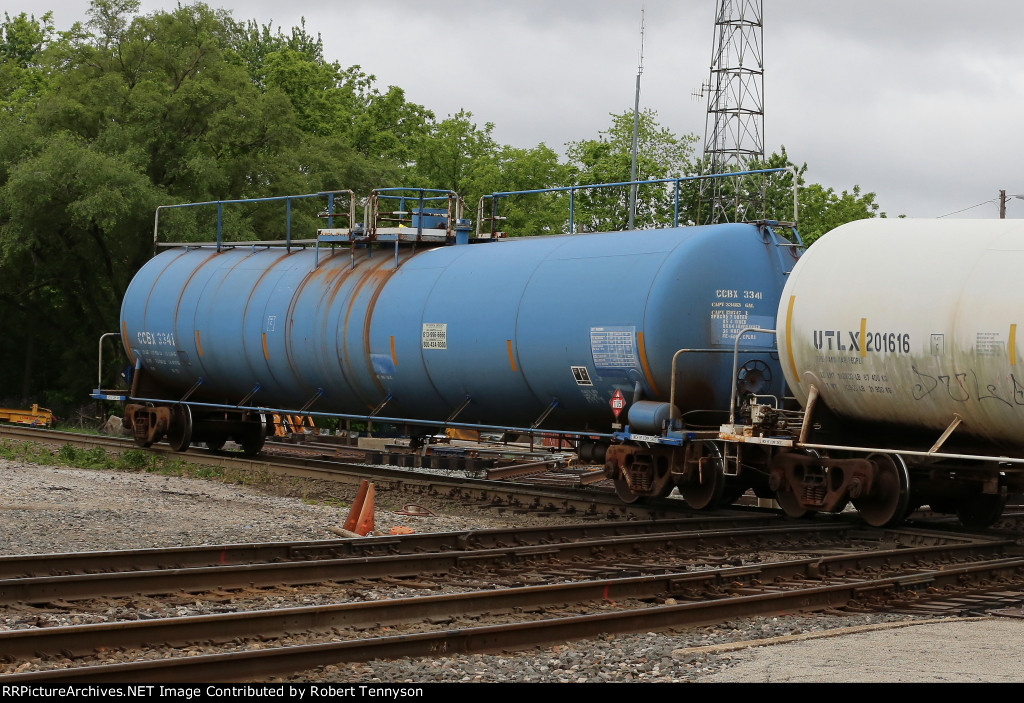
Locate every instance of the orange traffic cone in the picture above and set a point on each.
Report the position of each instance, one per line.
(360, 515)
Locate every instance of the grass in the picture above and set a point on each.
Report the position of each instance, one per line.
(141, 461)
(76, 429)
(131, 460)
(329, 502)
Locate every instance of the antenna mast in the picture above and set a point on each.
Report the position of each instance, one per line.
(636, 126)
(734, 127)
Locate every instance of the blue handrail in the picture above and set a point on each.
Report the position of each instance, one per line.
(676, 181)
(288, 211)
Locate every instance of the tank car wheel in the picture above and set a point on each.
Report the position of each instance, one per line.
(787, 498)
(179, 434)
(981, 510)
(889, 500)
(706, 491)
(791, 505)
(215, 445)
(251, 444)
(731, 493)
(254, 437)
(623, 492)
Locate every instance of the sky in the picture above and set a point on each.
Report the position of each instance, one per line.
(916, 102)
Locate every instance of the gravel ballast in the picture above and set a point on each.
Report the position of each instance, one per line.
(47, 509)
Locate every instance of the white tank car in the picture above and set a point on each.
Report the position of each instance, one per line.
(912, 322)
(907, 331)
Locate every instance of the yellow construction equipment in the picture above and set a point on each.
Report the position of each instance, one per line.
(36, 417)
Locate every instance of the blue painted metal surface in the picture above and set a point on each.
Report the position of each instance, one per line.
(516, 325)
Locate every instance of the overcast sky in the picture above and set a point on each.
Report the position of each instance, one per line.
(917, 102)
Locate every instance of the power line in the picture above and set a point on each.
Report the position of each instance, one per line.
(992, 200)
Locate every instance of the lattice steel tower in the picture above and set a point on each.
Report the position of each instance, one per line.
(734, 128)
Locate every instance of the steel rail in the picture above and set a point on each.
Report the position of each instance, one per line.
(41, 589)
(259, 664)
(589, 501)
(31, 565)
(79, 640)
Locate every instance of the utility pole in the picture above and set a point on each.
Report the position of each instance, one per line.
(1002, 202)
(734, 127)
(636, 127)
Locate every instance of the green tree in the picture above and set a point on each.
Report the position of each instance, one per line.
(128, 111)
(820, 208)
(449, 153)
(345, 120)
(607, 159)
(458, 155)
(22, 78)
(511, 169)
(134, 111)
(252, 45)
(68, 247)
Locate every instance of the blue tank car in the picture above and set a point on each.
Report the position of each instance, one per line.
(518, 333)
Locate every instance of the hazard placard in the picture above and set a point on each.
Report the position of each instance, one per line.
(618, 402)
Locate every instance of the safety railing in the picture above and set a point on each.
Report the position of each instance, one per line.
(494, 218)
(329, 214)
(404, 215)
(415, 217)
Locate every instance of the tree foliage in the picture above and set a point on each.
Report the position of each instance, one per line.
(608, 159)
(458, 155)
(127, 111)
(22, 78)
(822, 209)
(511, 170)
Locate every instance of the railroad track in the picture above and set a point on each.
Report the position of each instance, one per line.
(501, 590)
(590, 501)
(313, 565)
(832, 566)
(20, 566)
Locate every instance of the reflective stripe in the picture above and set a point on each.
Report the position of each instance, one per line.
(789, 339)
(643, 362)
